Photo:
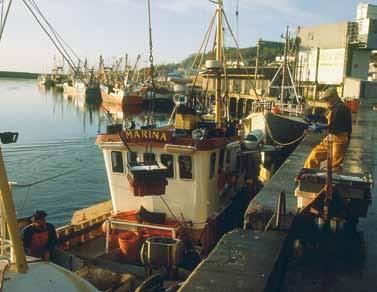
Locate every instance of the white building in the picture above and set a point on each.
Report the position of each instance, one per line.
(332, 53)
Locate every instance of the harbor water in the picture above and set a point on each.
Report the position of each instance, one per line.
(55, 164)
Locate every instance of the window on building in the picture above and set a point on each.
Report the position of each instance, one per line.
(149, 158)
(132, 158)
(212, 164)
(185, 167)
(168, 161)
(117, 161)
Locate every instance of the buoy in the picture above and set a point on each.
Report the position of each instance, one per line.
(275, 110)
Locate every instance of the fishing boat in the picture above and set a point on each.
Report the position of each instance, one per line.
(281, 126)
(174, 191)
(190, 171)
(76, 83)
(280, 119)
(111, 94)
(93, 90)
(74, 87)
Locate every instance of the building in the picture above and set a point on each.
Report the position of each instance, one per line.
(332, 54)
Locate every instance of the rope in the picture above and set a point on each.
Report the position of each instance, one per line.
(171, 211)
(47, 179)
(280, 143)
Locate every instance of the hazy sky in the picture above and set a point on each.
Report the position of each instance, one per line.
(114, 27)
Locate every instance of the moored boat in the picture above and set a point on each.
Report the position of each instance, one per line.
(93, 90)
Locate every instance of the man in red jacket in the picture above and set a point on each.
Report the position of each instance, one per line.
(39, 237)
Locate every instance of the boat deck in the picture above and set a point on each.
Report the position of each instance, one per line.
(254, 260)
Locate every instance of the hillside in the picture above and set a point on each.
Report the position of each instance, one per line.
(21, 75)
(268, 52)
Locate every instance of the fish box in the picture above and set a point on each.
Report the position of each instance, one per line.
(348, 185)
(148, 180)
(353, 189)
(303, 198)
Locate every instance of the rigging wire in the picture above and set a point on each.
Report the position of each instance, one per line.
(239, 53)
(51, 34)
(200, 53)
(4, 17)
(56, 34)
(46, 179)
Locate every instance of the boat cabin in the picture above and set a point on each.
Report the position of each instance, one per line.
(200, 176)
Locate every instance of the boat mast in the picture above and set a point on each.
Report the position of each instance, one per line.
(219, 58)
(11, 219)
(282, 92)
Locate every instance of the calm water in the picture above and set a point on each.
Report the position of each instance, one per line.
(57, 135)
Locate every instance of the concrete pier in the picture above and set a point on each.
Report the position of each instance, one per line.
(255, 260)
(351, 264)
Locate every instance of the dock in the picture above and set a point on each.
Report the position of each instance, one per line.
(258, 258)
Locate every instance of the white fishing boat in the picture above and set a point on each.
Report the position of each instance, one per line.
(75, 87)
(111, 94)
(174, 191)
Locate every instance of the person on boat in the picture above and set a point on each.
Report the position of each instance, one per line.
(39, 237)
(339, 124)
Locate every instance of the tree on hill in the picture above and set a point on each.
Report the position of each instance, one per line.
(268, 52)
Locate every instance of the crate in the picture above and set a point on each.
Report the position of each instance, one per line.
(185, 121)
(304, 198)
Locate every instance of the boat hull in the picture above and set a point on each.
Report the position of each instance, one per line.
(132, 100)
(93, 95)
(112, 97)
(282, 129)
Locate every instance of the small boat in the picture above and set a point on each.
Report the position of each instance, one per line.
(93, 90)
(279, 129)
(74, 88)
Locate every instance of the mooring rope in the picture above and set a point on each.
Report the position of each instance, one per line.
(280, 143)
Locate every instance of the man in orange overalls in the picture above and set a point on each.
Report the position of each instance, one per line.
(339, 124)
(39, 237)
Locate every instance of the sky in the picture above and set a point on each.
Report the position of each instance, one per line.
(116, 27)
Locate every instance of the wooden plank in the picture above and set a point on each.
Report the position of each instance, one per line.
(90, 213)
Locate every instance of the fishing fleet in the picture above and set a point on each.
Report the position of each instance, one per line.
(175, 187)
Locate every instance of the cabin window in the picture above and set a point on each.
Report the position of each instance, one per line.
(168, 161)
(117, 161)
(132, 158)
(185, 167)
(212, 164)
(221, 159)
(149, 158)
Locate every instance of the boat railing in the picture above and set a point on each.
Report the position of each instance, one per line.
(127, 225)
(6, 250)
(285, 108)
